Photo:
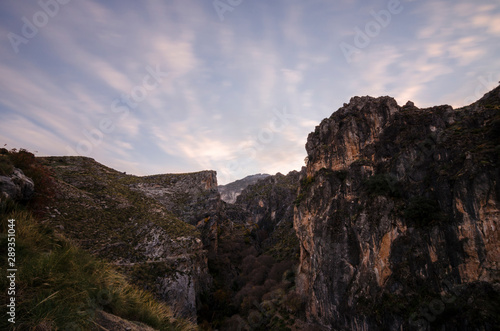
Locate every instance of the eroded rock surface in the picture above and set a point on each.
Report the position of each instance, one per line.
(398, 216)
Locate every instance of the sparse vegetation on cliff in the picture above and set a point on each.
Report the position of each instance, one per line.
(383, 184)
(378, 248)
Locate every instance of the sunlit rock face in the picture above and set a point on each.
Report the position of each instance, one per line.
(398, 216)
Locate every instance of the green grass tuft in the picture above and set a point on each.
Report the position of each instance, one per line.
(60, 286)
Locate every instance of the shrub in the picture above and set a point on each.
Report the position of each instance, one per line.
(294, 303)
(422, 211)
(306, 182)
(383, 184)
(6, 167)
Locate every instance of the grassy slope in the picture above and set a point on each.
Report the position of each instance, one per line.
(96, 205)
(58, 284)
(61, 286)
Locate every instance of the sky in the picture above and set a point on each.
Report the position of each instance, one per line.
(150, 87)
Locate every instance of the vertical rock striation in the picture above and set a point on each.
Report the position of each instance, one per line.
(398, 216)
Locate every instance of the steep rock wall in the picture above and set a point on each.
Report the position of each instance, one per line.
(398, 217)
(268, 206)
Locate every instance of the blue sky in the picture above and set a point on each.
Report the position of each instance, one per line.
(235, 86)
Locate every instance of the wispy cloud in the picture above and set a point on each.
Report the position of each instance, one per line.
(223, 80)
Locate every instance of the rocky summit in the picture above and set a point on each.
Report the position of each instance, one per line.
(398, 217)
(391, 225)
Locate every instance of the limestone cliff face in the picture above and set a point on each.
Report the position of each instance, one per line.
(398, 216)
(268, 206)
(143, 225)
(270, 200)
(191, 197)
(339, 140)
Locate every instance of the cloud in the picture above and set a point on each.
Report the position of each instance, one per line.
(225, 79)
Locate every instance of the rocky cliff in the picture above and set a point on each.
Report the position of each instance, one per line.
(398, 215)
(395, 216)
(268, 205)
(231, 191)
(143, 225)
(192, 197)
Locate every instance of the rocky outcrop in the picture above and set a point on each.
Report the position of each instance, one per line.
(231, 191)
(268, 206)
(191, 197)
(16, 186)
(339, 140)
(270, 200)
(397, 217)
(143, 225)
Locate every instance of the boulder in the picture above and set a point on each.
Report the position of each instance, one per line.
(17, 186)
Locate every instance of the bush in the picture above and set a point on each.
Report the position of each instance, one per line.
(294, 303)
(383, 184)
(422, 211)
(6, 167)
(306, 182)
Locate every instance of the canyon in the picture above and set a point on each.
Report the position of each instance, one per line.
(392, 224)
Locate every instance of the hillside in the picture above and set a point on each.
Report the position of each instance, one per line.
(58, 285)
(139, 224)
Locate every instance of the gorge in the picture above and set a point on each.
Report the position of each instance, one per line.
(391, 225)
